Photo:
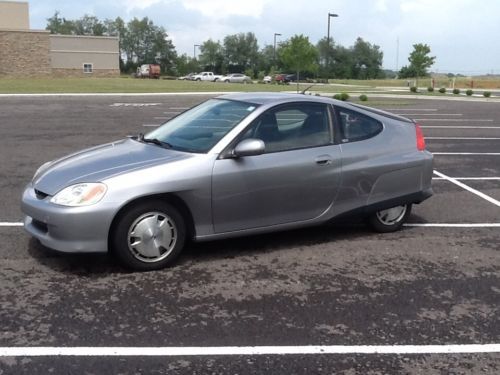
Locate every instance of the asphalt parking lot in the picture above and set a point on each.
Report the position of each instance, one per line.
(436, 282)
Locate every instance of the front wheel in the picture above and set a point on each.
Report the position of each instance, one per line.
(389, 220)
(148, 236)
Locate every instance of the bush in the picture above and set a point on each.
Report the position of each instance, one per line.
(342, 96)
(430, 89)
(250, 72)
(413, 89)
(363, 97)
(469, 92)
(456, 91)
(486, 94)
(442, 90)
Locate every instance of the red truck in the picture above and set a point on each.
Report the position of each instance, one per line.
(148, 71)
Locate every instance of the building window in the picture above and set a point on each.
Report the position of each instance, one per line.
(87, 68)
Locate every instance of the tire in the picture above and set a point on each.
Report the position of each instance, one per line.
(198, 79)
(390, 220)
(148, 236)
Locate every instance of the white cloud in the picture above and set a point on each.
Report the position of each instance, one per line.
(220, 9)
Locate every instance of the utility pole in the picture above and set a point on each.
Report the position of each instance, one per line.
(194, 50)
(328, 40)
(275, 35)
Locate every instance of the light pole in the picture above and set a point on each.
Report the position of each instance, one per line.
(275, 35)
(328, 39)
(194, 50)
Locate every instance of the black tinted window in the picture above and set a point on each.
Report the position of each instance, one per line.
(356, 126)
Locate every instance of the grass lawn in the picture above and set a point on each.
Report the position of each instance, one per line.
(132, 85)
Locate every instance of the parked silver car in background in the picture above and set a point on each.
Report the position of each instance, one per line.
(235, 165)
(235, 78)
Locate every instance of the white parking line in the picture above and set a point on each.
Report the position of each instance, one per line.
(180, 108)
(458, 127)
(151, 125)
(10, 224)
(464, 138)
(430, 114)
(412, 109)
(453, 225)
(469, 178)
(454, 119)
(468, 188)
(468, 153)
(171, 113)
(245, 350)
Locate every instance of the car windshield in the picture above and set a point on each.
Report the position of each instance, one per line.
(200, 128)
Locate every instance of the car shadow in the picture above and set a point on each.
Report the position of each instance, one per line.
(198, 252)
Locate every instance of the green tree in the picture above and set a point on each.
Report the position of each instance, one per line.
(299, 55)
(420, 60)
(211, 56)
(60, 25)
(367, 60)
(241, 52)
(89, 25)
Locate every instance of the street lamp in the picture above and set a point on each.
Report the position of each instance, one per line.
(275, 35)
(194, 50)
(328, 38)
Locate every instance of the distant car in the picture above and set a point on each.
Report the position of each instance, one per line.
(293, 77)
(267, 79)
(281, 78)
(235, 165)
(188, 77)
(235, 78)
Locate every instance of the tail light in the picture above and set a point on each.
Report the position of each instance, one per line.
(420, 138)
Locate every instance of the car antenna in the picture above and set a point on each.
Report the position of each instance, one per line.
(303, 92)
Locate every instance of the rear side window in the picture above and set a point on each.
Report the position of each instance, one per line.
(356, 126)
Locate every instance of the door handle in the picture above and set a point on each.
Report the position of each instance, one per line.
(324, 160)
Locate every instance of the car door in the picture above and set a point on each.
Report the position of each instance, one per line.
(295, 180)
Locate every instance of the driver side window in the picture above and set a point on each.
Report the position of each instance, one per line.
(295, 126)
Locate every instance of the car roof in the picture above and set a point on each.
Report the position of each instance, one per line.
(273, 97)
(265, 98)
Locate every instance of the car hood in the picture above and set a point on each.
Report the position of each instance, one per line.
(99, 163)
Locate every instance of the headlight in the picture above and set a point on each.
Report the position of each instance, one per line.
(83, 194)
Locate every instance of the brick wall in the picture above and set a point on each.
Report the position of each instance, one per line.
(78, 73)
(24, 53)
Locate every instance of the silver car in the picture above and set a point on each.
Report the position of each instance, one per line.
(236, 165)
(235, 78)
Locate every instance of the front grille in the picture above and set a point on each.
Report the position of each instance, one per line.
(40, 194)
(41, 226)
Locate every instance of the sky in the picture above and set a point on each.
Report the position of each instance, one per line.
(462, 34)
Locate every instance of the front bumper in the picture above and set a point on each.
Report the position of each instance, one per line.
(67, 229)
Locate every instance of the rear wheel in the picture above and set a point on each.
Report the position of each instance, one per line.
(389, 220)
(149, 236)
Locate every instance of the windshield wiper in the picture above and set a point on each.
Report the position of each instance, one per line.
(155, 141)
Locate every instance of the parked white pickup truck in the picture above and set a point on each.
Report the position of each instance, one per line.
(207, 76)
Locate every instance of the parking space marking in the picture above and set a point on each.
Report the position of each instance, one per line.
(469, 178)
(454, 119)
(412, 109)
(468, 153)
(151, 125)
(134, 104)
(179, 108)
(464, 138)
(430, 114)
(458, 127)
(453, 225)
(468, 188)
(10, 224)
(171, 113)
(245, 350)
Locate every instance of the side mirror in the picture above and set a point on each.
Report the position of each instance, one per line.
(249, 147)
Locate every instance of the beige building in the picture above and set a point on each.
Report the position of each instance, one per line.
(25, 52)
(14, 15)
